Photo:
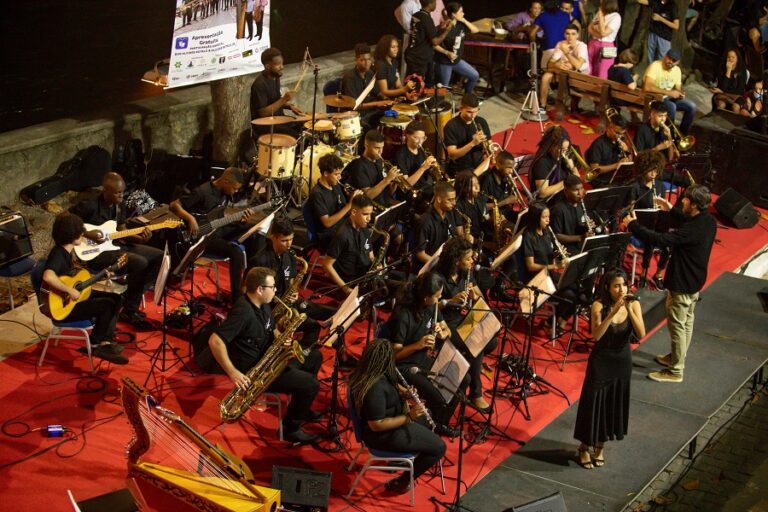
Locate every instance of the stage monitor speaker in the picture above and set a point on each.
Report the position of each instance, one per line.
(552, 503)
(116, 501)
(737, 209)
(302, 489)
(14, 238)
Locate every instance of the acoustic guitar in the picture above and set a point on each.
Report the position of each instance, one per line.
(57, 305)
(90, 249)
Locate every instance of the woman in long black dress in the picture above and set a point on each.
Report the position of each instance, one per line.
(387, 423)
(603, 411)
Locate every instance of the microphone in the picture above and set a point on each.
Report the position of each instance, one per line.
(415, 370)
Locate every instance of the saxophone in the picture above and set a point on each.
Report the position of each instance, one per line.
(280, 309)
(497, 221)
(269, 367)
(379, 259)
(467, 223)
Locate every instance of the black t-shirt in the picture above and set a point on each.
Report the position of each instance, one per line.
(423, 30)
(283, 265)
(621, 75)
(476, 211)
(324, 201)
(452, 313)
(568, 219)
(646, 137)
(247, 331)
(60, 261)
(381, 401)
(409, 163)
(388, 72)
(265, 91)
(538, 246)
(643, 195)
(603, 151)
(544, 167)
(453, 42)
(353, 85)
(204, 199)
(434, 230)
(669, 12)
(351, 249)
(458, 133)
(736, 84)
(363, 173)
(96, 211)
(407, 327)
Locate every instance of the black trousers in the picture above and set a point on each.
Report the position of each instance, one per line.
(412, 438)
(142, 267)
(299, 381)
(249, 24)
(101, 307)
(475, 363)
(311, 327)
(225, 249)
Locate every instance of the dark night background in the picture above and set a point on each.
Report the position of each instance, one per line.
(69, 58)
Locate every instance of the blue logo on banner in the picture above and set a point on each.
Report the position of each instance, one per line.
(182, 43)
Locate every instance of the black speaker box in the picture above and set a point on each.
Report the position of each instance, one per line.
(14, 238)
(302, 489)
(737, 209)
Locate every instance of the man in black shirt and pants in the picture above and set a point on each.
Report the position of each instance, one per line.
(691, 246)
(464, 136)
(244, 337)
(266, 99)
(354, 82)
(419, 56)
(569, 220)
(608, 152)
(350, 253)
(438, 224)
(327, 203)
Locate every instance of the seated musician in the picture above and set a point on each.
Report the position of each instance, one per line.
(367, 172)
(498, 184)
(387, 75)
(143, 260)
(448, 54)
(552, 163)
(205, 200)
(609, 151)
(376, 394)
(278, 256)
(243, 338)
(539, 253)
(655, 134)
(414, 334)
(413, 162)
(438, 224)
(648, 193)
(464, 137)
(354, 82)
(68, 231)
(327, 201)
(569, 220)
(473, 205)
(266, 98)
(350, 253)
(570, 54)
(460, 291)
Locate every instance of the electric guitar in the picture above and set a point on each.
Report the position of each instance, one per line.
(210, 222)
(91, 248)
(58, 305)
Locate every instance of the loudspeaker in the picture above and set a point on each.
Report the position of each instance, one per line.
(14, 238)
(737, 209)
(552, 503)
(302, 489)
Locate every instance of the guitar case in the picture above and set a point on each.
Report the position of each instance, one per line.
(83, 171)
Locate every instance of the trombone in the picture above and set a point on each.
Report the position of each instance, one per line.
(682, 143)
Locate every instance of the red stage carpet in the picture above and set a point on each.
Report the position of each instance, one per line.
(36, 471)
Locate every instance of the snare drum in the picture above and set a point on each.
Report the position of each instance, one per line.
(393, 129)
(281, 153)
(347, 125)
(323, 129)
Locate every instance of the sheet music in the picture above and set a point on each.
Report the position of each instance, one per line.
(365, 93)
(261, 227)
(347, 313)
(449, 370)
(162, 275)
(386, 211)
(510, 249)
(543, 281)
(432, 261)
(479, 327)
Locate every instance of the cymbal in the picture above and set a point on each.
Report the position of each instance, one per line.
(339, 101)
(272, 120)
(308, 117)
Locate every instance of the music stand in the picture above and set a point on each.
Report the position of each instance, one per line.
(390, 216)
(159, 359)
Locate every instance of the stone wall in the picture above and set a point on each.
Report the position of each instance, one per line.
(175, 122)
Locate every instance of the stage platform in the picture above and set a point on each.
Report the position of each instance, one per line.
(730, 346)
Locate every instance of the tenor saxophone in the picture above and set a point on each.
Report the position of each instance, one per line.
(269, 367)
(280, 310)
(379, 259)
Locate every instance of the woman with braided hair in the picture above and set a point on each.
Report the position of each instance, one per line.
(387, 423)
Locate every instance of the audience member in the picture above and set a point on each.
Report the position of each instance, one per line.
(552, 22)
(664, 77)
(731, 83)
(621, 72)
(569, 54)
(664, 21)
(604, 29)
(520, 24)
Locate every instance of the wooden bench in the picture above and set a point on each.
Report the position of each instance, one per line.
(602, 92)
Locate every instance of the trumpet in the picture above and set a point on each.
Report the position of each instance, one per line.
(401, 182)
(491, 148)
(682, 143)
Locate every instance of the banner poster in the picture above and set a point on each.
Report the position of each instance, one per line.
(214, 39)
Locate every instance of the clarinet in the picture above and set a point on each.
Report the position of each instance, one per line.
(411, 394)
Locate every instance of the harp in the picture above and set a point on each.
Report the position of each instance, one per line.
(204, 477)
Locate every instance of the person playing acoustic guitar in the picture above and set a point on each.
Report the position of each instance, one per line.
(69, 231)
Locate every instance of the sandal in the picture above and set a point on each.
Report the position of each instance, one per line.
(586, 464)
(599, 458)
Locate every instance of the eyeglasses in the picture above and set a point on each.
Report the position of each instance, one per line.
(269, 286)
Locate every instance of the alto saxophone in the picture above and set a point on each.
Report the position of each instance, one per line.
(280, 310)
(282, 350)
(411, 394)
(379, 259)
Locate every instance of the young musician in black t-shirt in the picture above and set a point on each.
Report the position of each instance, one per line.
(608, 152)
(655, 134)
(327, 201)
(448, 54)
(552, 163)
(498, 184)
(102, 308)
(367, 172)
(354, 82)
(267, 99)
(387, 75)
(438, 224)
(464, 136)
(350, 253)
(569, 220)
(413, 162)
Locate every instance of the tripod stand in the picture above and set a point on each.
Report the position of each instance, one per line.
(531, 110)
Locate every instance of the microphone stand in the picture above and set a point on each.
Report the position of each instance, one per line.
(315, 72)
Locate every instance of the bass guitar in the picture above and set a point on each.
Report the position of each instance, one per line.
(91, 248)
(212, 221)
(58, 305)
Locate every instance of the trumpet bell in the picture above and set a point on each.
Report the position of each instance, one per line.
(686, 143)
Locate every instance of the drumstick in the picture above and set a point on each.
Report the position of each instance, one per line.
(303, 72)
